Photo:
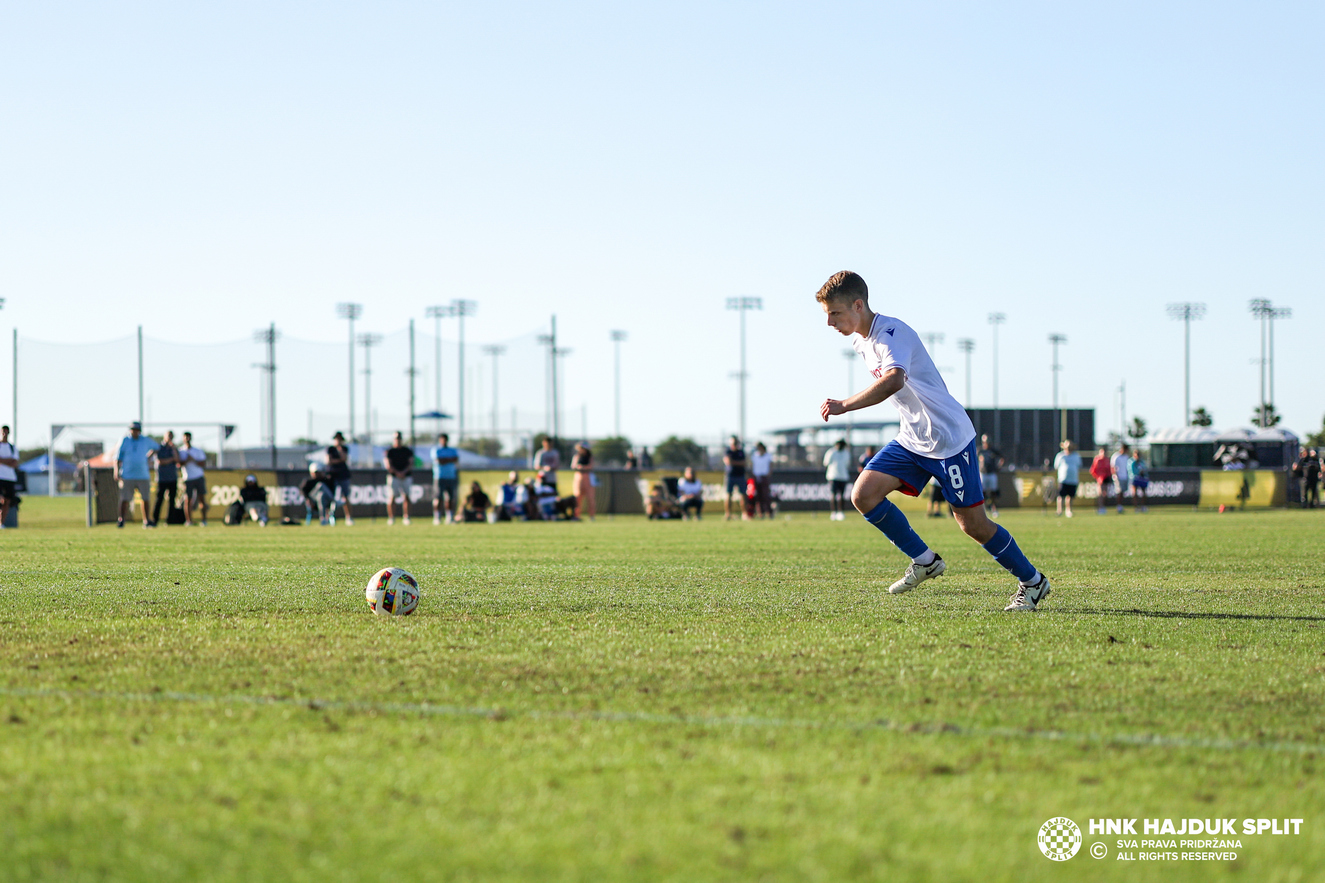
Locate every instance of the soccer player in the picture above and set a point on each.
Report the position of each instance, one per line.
(936, 439)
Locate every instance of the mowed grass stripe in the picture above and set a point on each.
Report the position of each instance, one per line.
(943, 728)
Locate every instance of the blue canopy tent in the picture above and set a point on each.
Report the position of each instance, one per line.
(42, 464)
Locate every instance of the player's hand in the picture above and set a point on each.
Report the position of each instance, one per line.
(831, 407)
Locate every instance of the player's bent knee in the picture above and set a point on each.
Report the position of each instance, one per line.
(975, 523)
(870, 489)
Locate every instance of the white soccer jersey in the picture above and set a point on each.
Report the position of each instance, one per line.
(192, 459)
(934, 424)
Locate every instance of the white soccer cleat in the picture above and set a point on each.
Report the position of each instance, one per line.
(1029, 597)
(915, 575)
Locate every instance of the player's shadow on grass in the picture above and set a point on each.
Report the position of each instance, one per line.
(1182, 614)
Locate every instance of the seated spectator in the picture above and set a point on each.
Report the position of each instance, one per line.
(690, 494)
(660, 505)
(318, 493)
(254, 498)
(476, 504)
(510, 499)
(547, 505)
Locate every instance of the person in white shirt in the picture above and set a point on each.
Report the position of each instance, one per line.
(837, 463)
(761, 470)
(936, 440)
(1121, 463)
(194, 462)
(8, 473)
(1067, 463)
(690, 494)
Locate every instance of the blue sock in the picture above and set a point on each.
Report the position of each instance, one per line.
(889, 519)
(1006, 552)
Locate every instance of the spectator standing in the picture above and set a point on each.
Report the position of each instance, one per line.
(936, 499)
(837, 466)
(1102, 472)
(254, 498)
(132, 471)
(863, 460)
(1139, 475)
(548, 462)
(581, 463)
(1311, 498)
(1121, 475)
(990, 462)
(399, 463)
(338, 465)
(194, 462)
(632, 462)
(1067, 463)
(761, 467)
(166, 457)
(445, 479)
(8, 474)
(645, 458)
(733, 460)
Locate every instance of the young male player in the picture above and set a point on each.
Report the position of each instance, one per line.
(936, 439)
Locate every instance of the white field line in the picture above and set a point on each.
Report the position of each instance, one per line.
(1139, 740)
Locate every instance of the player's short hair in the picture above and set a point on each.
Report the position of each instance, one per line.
(844, 286)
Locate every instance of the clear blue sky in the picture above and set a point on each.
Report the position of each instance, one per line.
(205, 170)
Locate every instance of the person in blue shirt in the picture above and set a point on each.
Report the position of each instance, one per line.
(445, 479)
(1139, 474)
(132, 471)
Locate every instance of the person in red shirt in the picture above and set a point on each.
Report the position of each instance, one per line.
(1103, 472)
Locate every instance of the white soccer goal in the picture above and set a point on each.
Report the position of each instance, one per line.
(202, 429)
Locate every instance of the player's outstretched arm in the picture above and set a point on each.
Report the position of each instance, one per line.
(881, 390)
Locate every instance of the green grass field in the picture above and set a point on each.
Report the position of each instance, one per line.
(652, 701)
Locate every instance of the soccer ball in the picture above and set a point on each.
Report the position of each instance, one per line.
(392, 592)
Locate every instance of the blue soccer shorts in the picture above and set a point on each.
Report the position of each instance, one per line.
(958, 475)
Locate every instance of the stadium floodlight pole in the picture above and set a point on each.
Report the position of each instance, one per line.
(495, 350)
(557, 353)
(1275, 313)
(268, 336)
(1055, 340)
(1261, 308)
(743, 305)
(1188, 312)
(350, 311)
(617, 337)
(438, 313)
(461, 309)
(967, 346)
(550, 380)
(140, 374)
(368, 340)
(996, 319)
(412, 372)
(13, 418)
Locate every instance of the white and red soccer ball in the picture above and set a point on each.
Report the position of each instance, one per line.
(392, 592)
